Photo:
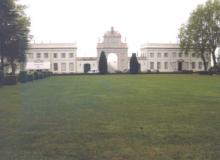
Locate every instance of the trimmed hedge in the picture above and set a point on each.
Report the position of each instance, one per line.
(1, 78)
(205, 73)
(36, 77)
(30, 77)
(23, 77)
(40, 75)
(10, 80)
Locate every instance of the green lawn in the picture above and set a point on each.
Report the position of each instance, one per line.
(117, 117)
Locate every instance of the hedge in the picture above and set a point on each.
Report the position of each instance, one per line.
(36, 77)
(10, 80)
(1, 78)
(23, 77)
(30, 77)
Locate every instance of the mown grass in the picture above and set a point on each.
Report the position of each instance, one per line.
(115, 117)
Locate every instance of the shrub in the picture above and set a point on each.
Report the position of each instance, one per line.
(134, 65)
(44, 74)
(1, 78)
(10, 80)
(40, 75)
(215, 70)
(30, 77)
(103, 67)
(36, 77)
(205, 73)
(23, 77)
(187, 71)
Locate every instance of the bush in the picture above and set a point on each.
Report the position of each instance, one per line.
(23, 77)
(215, 70)
(44, 74)
(187, 71)
(10, 80)
(30, 77)
(50, 73)
(205, 72)
(36, 77)
(40, 75)
(1, 78)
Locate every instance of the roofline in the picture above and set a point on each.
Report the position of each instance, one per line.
(52, 46)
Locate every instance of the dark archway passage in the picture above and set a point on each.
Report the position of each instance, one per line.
(87, 67)
(180, 66)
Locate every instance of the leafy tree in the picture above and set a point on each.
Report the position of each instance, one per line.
(202, 31)
(134, 65)
(212, 10)
(194, 36)
(14, 33)
(103, 67)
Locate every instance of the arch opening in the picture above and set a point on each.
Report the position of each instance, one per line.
(112, 60)
(87, 67)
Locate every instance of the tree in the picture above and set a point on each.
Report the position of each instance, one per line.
(212, 10)
(202, 31)
(218, 60)
(194, 36)
(14, 33)
(103, 68)
(134, 65)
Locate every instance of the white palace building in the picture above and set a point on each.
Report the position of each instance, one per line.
(62, 58)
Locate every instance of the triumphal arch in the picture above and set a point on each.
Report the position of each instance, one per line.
(114, 48)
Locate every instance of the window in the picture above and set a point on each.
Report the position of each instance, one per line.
(38, 55)
(180, 54)
(63, 67)
(200, 65)
(55, 55)
(174, 54)
(165, 65)
(63, 55)
(186, 55)
(46, 55)
(158, 65)
(152, 55)
(193, 65)
(55, 66)
(193, 55)
(70, 55)
(151, 65)
(71, 67)
(165, 54)
(158, 55)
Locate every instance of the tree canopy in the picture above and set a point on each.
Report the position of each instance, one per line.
(103, 67)
(14, 33)
(202, 31)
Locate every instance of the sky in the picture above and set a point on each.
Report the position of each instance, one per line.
(84, 22)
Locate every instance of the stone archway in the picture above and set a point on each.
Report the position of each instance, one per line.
(112, 43)
(112, 60)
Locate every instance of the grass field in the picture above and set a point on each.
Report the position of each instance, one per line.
(115, 117)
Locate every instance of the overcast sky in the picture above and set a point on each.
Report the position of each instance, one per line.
(84, 21)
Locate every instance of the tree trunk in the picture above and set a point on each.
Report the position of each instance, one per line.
(204, 62)
(214, 58)
(13, 67)
(2, 63)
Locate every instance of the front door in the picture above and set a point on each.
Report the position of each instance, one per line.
(180, 66)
